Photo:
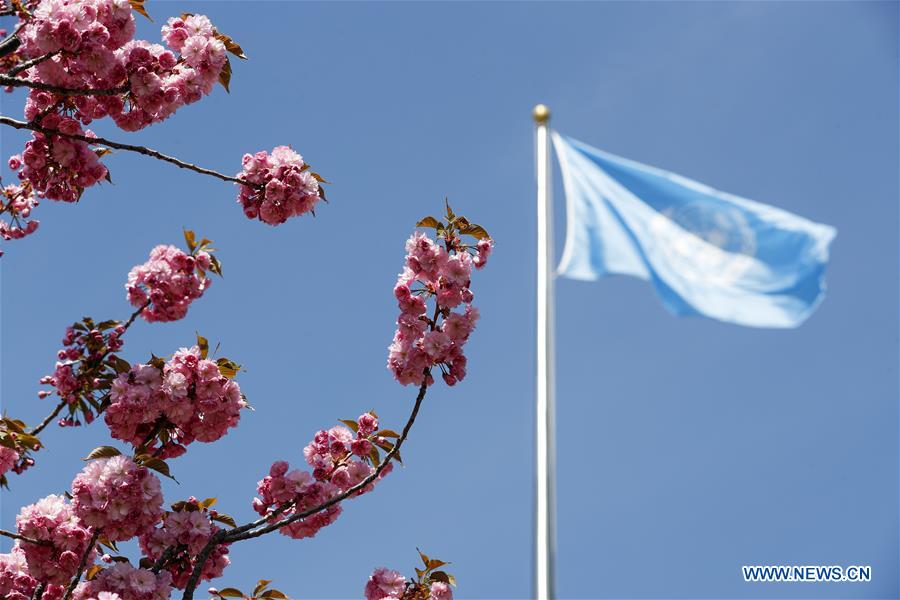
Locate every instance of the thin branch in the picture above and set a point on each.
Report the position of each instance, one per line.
(77, 577)
(120, 146)
(248, 531)
(48, 419)
(38, 591)
(28, 540)
(59, 91)
(30, 63)
(12, 42)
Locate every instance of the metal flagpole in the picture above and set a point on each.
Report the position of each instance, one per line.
(545, 401)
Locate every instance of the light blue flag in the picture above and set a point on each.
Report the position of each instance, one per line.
(706, 252)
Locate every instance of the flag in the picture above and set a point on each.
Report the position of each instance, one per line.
(705, 252)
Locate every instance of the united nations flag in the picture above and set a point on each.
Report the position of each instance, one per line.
(705, 252)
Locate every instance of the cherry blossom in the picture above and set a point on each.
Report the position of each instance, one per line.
(282, 186)
(53, 519)
(117, 496)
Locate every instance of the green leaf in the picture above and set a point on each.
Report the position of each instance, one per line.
(102, 452)
(374, 457)
(203, 344)
(261, 585)
(435, 563)
(351, 424)
(274, 594)
(231, 593)
(450, 215)
(138, 7)
(422, 554)
(428, 221)
(209, 502)
(388, 433)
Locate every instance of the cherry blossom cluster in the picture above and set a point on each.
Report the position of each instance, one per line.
(59, 167)
(187, 529)
(15, 581)
(171, 279)
(85, 367)
(174, 403)
(340, 458)
(442, 272)
(125, 582)
(92, 48)
(53, 519)
(17, 202)
(280, 186)
(118, 497)
(386, 584)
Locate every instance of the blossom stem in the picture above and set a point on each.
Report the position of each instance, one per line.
(84, 558)
(59, 91)
(120, 146)
(250, 530)
(38, 591)
(28, 540)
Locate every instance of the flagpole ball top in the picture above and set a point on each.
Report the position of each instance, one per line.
(541, 114)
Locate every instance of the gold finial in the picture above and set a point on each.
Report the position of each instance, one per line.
(541, 114)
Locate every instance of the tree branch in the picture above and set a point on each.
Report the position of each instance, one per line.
(59, 91)
(249, 531)
(84, 557)
(30, 63)
(165, 557)
(120, 146)
(28, 540)
(48, 419)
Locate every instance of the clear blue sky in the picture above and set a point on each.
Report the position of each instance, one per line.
(687, 447)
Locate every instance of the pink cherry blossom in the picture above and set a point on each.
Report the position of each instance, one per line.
(338, 464)
(169, 281)
(118, 496)
(385, 584)
(8, 458)
(188, 527)
(84, 367)
(444, 275)
(441, 591)
(53, 519)
(280, 186)
(127, 583)
(188, 397)
(15, 581)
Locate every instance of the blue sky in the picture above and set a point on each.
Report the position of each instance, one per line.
(687, 447)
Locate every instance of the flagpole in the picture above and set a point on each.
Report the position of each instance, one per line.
(545, 401)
